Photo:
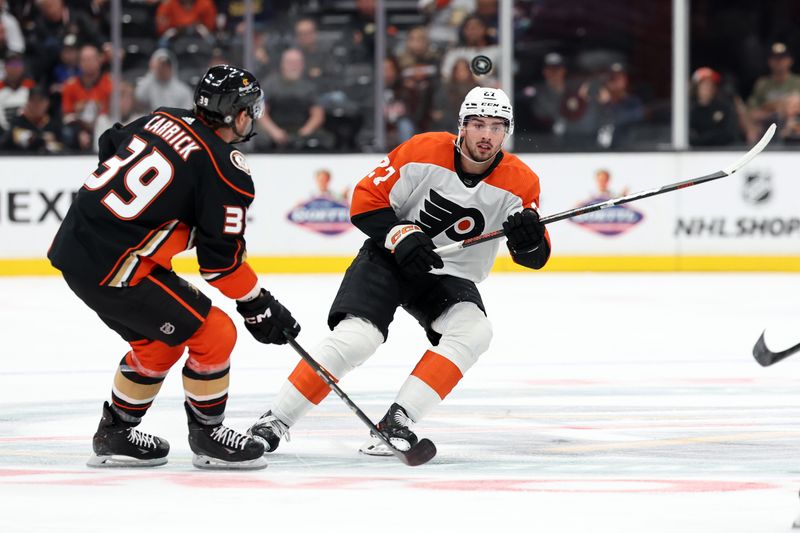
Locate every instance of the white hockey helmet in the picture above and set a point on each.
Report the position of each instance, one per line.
(487, 102)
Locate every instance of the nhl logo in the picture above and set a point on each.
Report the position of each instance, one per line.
(167, 328)
(757, 187)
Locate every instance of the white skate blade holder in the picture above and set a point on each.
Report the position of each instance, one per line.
(375, 447)
(205, 462)
(122, 461)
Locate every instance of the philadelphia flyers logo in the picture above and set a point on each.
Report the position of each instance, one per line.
(442, 215)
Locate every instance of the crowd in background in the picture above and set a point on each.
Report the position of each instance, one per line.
(584, 80)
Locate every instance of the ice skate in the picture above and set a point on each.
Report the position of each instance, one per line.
(118, 444)
(221, 447)
(395, 426)
(268, 430)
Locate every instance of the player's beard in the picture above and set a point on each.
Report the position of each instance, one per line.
(478, 156)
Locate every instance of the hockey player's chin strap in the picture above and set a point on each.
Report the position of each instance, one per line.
(244, 137)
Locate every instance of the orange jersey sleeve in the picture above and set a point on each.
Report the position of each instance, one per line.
(372, 192)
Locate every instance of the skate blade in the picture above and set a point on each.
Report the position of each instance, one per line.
(210, 463)
(122, 461)
(377, 448)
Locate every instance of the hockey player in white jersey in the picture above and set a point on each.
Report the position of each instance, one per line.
(435, 189)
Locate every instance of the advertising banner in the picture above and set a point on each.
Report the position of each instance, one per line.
(301, 211)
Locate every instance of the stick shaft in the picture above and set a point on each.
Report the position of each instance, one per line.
(331, 382)
(754, 151)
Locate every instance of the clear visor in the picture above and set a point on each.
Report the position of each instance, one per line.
(257, 109)
(483, 127)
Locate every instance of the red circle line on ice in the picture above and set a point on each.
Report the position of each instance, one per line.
(613, 486)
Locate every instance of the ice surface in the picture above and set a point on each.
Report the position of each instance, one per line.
(606, 403)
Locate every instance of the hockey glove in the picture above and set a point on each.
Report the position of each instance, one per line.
(524, 231)
(413, 249)
(265, 318)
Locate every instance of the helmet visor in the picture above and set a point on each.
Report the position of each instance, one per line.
(257, 107)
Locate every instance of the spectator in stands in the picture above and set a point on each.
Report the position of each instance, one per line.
(128, 112)
(362, 32)
(67, 66)
(263, 56)
(53, 22)
(33, 130)
(474, 40)
(84, 98)
(547, 97)
(232, 13)
(186, 14)
(218, 57)
(399, 125)
(445, 18)
(318, 61)
(712, 114)
(619, 109)
(14, 40)
(417, 51)
(789, 119)
(161, 85)
(447, 100)
(486, 10)
(4, 51)
(293, 118)
(419, 69)
(765, 101)
(14, 89)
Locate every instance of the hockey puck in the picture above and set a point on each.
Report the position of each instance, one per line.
(481, 65)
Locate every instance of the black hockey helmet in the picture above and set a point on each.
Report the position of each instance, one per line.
(223, 92)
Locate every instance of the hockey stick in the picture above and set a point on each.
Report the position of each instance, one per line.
(754, 151)
(422, 452)
(766, 357)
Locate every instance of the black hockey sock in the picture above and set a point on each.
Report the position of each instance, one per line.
(132, 393)
(206, 394)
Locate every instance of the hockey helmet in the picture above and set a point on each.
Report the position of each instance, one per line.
(224, 91)
(487, 102)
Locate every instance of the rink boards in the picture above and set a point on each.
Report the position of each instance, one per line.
(748, 222)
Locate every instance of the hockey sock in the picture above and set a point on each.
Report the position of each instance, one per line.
(207, 394)
(429, 383)
(309, 383)
(133, 393)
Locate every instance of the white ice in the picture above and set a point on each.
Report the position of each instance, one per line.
(606, 403)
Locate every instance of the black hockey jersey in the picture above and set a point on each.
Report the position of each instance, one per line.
(165, 183)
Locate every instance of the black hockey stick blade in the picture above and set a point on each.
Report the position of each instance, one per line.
(766, 357)
(419, 454)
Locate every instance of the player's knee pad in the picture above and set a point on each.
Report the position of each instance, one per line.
(466, 334)
(350, 343)
(152, 358)
(210, 347)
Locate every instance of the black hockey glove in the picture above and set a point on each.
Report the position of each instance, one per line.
(265, 318)
(524, 231)
(413, 249)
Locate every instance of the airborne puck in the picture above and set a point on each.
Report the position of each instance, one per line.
(481, 65)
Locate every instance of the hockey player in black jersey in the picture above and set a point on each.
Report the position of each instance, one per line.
(167, 182)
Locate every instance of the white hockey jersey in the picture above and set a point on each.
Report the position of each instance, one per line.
(418, 181)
